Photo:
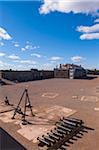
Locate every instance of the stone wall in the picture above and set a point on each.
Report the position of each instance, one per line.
(76, 73)
(61, 73)
(80, 73)
(44, 74)
(22, 76)
(34, 74)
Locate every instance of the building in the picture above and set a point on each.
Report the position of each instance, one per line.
(70, 71)
(24, 76)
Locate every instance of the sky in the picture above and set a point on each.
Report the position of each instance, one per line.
(45, 33)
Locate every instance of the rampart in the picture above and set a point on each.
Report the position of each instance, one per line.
(23, 76)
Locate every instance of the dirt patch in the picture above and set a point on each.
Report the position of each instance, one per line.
(90, 98)
(50, 95)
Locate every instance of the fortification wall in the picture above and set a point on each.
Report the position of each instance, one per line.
(22, 76)
(80, 73)
(61, 73)
(17, 75)
(45, 74)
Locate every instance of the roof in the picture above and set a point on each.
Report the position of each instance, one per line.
(80, 96)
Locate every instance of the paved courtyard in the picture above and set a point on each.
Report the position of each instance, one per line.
(76, 98)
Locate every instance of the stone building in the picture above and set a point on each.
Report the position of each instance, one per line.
(70, 71)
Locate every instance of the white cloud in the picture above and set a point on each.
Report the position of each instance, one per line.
(2, 63)
(29, 46)
(1, 43)
(89, 32)
(88, 29)
(13, 57)
(47, 66)
(36, 55)
(55, 58)
(67, 6)
(77, 58)
(23, 67)
(2, 54)
(18, 65)
(35, 47)
(16, 45)
(28, 62)
(4, 35)
(96, 21)
(23, 49)
(89, 36)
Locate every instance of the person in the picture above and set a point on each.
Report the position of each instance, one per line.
(6, 101)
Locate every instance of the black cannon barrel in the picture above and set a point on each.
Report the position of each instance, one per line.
(84, 130)
(43, 141)
(74, 139)
(78, 136)
(58, 134)
(61, 131)
(66, 124)
(81, 133)
(48, 139)
(69, 142)
(74, 120)
(87, 128)
(70, 123)
(67, 131)
(53, 136)
(64, 128)
(63, 147)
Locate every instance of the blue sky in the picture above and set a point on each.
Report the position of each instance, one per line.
(43, 34)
